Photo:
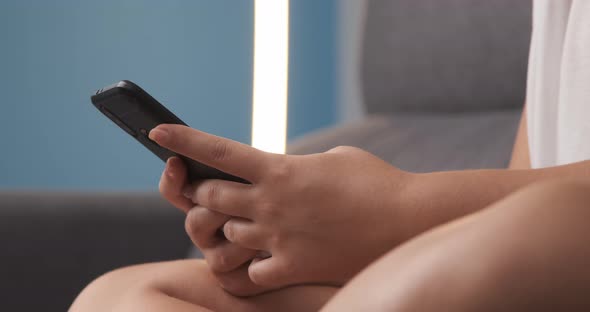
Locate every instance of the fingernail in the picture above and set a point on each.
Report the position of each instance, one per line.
(188, 191)
(169, 172)
(158, 134)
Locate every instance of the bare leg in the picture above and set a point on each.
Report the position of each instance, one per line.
(186, 285)
(528, 252)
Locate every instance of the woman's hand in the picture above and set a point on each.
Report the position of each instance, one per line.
(227, 261)
(322, 217)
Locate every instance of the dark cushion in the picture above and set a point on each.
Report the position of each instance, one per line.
(425, 142)
(450, 56)
(55, 243)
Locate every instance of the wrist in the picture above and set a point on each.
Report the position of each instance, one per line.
(411, 207)
(431, 199)
(397, 206)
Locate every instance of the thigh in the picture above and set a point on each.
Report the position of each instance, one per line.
(529, 251)
(187, 285)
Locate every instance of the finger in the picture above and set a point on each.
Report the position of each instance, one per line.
(201, 225)
(272, 272)
(245, 233)
(230, 198)
(227, 256)
(172, 181)
(238, 283)
(226, 155)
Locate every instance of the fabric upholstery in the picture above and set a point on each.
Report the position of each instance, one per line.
(450, 56)
(55, 243)
(421, 142)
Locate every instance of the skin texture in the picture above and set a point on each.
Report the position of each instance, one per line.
(528, 252)
(186, 285)
(284, 224)
(299, 209)
(486, 256)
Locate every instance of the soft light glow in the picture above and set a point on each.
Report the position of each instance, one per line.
(271, 66)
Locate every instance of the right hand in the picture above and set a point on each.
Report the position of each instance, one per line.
(227, 261)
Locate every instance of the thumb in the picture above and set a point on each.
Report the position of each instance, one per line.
(271, 272)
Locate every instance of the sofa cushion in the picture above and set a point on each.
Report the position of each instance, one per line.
(56, 242)
(450, 56)
(425, 142)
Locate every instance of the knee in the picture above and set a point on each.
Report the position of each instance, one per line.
(517, 248)
(510, 251)
(111, 290)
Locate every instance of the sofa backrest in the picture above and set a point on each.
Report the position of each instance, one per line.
(450, 56)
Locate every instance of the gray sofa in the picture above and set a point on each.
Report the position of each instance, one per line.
(443, 84)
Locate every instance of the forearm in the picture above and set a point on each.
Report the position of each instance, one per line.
(432, 199)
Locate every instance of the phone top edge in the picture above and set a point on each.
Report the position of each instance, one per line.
(129, 85)
(131, 89)
(121, 85)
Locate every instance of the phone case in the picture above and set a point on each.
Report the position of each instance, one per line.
(137, 112)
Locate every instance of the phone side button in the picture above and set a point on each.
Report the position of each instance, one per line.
(118, 121)
(127, 129)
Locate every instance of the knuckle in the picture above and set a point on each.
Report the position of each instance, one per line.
(199, 225)
(345, 149)
(220, 150)
(193, 223)
(213, 193)
(219, 261)
(189, 222)
(268, 210)
(280, 170)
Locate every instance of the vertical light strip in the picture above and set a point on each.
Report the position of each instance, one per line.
(271, 69)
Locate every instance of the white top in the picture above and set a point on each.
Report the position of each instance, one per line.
(558, 88)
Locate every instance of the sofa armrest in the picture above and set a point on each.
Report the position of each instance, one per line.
(424, 142)
(53, 244)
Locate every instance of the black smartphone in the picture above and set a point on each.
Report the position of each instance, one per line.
(137, 112)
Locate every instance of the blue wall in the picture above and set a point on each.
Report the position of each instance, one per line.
(312, 65)
(194, 56)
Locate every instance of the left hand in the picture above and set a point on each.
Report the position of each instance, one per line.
(227, 261)
(322, 217)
